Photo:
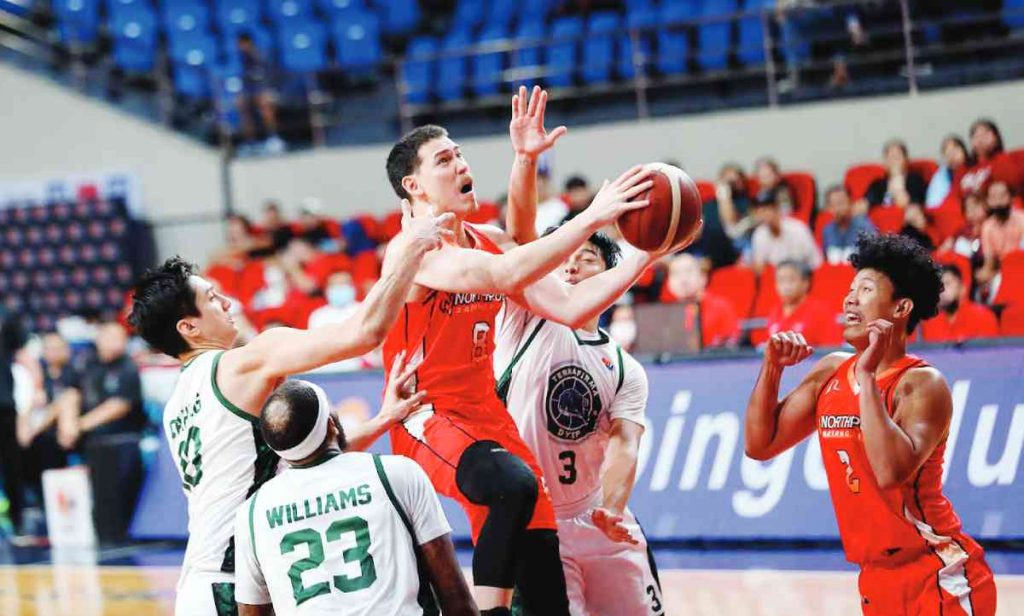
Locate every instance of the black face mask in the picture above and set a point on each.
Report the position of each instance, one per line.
(1002, 214)
(952, 308)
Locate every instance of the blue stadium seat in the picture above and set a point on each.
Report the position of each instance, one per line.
(562, 55)
(303, 45)
(17, 7)
(644, 19)
(287, 10)
(399, 16)
(501, 14)
(419, 69)
(135, 38)
(193, 57)
(535, 9)
(713, 39)
(750, 50)
(599, 47)
(262, 40)
(186, 17)
(226, 89)
(468, 14)
(488, 67)
(529, 58)
(336, 8)
(451, 72)
(673, 42)
(236, 14)
(78, 21)
(116, 6)
(1013, 14)
(357, 41)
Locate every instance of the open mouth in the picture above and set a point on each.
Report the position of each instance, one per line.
(851, 318)
(467, 187)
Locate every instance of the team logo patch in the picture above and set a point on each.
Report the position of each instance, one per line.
(573, 403)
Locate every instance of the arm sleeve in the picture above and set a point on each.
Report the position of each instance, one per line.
(631, 401)
(250, 587)
(417, 497)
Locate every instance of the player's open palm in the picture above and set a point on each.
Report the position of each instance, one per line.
(427, 232)
(616, 198)
(787, 349)
(399, 399)
(529, 137)
(611, 525)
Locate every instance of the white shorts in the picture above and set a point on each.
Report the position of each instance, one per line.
(202, 593)
(604, 577)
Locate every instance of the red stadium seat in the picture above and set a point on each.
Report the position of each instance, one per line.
(805, 192)
(962, 263)
(831, 283)
(1011, 287)
(859, 177)
(1018, 157)
(706, 190)
(1011, 323)
(887, 219)
(736, 283)
(926, 167)
(767, 294)
(948, 218)
(389, 226)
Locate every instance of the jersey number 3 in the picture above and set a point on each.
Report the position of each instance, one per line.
(360, 553)
(568, 474)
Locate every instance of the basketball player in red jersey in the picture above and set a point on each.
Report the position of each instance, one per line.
(882, 418)
(464, 438)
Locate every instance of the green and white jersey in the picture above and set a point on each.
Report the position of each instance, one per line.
(563, 388)
(221, 458)
(330, 538)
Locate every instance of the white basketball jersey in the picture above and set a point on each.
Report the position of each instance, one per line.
(329, 538)
(563, 388)
(221, 458)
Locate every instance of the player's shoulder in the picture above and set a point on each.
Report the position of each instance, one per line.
(924, 378)
(832, 361)
(632, 367)
(399, 468)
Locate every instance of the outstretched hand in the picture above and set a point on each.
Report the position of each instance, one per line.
(427, 232)
(399, 399)
(529, 137)
(611, 525)
(616, 198)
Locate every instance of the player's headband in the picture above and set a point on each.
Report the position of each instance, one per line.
(316, 436)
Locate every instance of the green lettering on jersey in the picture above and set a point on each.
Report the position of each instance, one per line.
(364, 494)
(331, 504)
(275, 516)
(347, 498)
(305, 509)
(295, 513)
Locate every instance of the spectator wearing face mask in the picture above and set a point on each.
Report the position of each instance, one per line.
(341, 294)
(967, 239)
(959, 318)
(1003, 230)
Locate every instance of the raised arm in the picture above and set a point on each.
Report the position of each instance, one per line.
(460, 270)
(529, 140)
(280, 352)
(773, 425)
(899, 444)
(399, 403)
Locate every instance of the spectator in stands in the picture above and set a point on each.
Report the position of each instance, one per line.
(915, 226)
(955, 160)
(990, 162)
(37, 434)
(959, 318)
(771, 186)
(967, 239)
(839, 237)
(275, 225)
(12, 339)
(900, 186)
(687, 282)
(341, 293)
(781, 238)
(1003, 230)
(551, 209)
(241, 242)
(107, 427)
(797, 311)
(312, 226)
(257, 97)
(622, 327)
(577, 195)
(733, 205)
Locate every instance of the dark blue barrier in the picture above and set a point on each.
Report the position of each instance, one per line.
(695, 482)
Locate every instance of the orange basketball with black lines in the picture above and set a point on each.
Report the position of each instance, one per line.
(673, 216)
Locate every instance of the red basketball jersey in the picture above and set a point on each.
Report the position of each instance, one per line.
(875, 524)
(453, 335)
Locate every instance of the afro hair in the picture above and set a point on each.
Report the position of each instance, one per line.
(910, 268)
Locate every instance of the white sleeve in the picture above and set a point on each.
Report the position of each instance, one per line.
(250, 587)
(511, 327)
(631, 401)
(417, 497)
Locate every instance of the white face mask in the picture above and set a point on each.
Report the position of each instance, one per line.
(623, 332)
(340, 295)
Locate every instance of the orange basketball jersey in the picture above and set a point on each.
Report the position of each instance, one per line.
(878, 525)
(453, 335)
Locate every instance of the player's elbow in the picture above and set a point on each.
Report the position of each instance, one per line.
(755, 451)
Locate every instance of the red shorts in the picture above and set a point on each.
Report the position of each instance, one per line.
(953, 580)
(440, 446)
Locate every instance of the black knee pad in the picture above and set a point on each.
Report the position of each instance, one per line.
(491, 476)
(540, 579)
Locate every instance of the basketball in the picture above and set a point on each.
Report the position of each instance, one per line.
(673, 215)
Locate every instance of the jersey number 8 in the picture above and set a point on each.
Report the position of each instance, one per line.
(190, 458)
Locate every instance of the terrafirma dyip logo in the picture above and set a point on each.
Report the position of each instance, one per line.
(713, 446)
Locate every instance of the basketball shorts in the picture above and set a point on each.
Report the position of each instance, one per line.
(953, 580)
(605, 577)
(436, 442)
(202, 593)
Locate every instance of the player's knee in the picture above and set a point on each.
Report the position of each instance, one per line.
(491, 476)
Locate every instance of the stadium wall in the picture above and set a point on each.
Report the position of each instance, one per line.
(822, 137)
(50, 131)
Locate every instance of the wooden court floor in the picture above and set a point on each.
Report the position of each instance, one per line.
(88, 590)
